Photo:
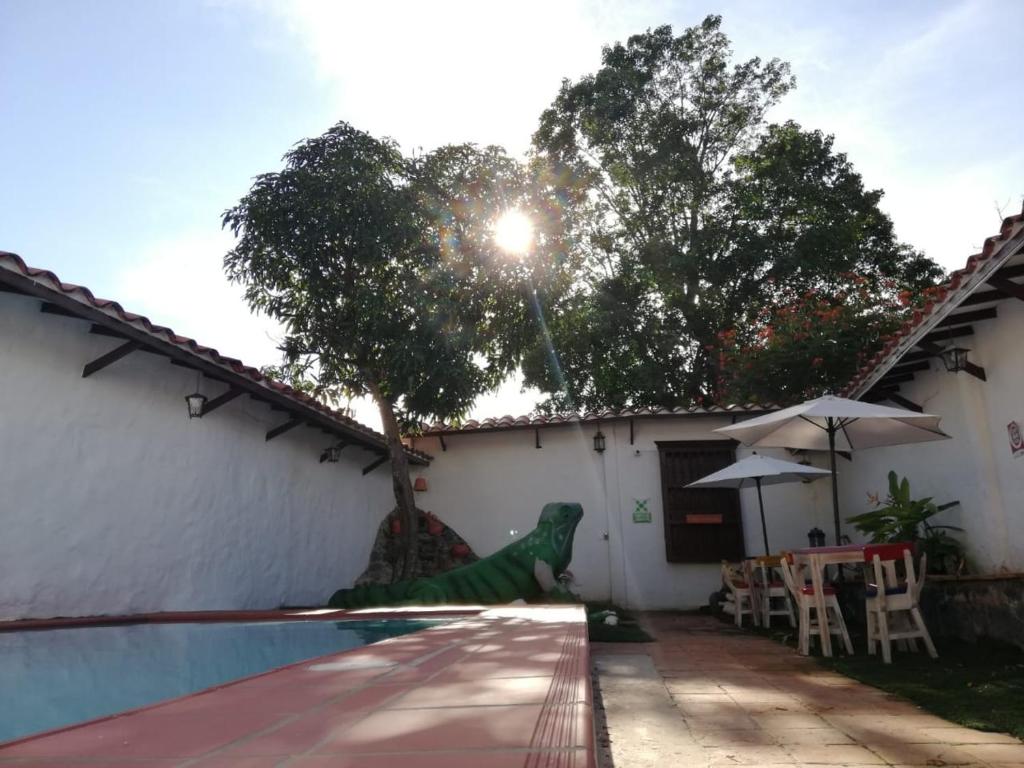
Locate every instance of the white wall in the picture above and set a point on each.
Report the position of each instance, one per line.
(487, 485)
(976, 466)
(112, 501)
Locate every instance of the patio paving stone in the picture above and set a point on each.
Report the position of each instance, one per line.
(741, 699)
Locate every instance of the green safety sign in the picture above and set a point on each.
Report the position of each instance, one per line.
(641, 512)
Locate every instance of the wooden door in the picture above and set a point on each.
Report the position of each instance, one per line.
(702, 525)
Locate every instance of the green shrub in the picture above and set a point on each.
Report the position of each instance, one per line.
(902, 518)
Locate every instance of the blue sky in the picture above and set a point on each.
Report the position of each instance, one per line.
(128, 127)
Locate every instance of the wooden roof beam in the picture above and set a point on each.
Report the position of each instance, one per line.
(1007, 286)
(112, 356)
(946, 335)
(281, 429)
(982, 297)
(896, 378)
(48, 308)
(4, 288)
(217, 402)
(370, 467)
(910, 367)
(910, 405)
(959, 318)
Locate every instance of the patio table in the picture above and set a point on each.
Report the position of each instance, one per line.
(816, 559)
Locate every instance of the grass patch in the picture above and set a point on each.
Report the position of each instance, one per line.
(979, 685)
(626, 631)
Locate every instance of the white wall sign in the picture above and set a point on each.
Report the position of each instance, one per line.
(1016, 439)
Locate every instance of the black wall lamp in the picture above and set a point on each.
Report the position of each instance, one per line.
(955, 359)
(196, 401)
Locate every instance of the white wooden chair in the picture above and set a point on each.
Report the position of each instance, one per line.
(803, 596)
(771, 592)
(893, 604)
(739, 597)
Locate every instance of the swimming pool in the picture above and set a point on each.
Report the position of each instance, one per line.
(58, 677)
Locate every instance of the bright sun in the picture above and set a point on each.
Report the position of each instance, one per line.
(513, 232)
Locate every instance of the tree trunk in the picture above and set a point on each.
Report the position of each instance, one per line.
(408, 559)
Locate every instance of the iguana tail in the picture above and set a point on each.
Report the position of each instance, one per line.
(368, 595)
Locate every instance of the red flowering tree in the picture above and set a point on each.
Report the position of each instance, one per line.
(809, 343)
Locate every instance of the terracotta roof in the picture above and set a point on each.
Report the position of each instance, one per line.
(275, 391)
(996, 251)
(541, 420)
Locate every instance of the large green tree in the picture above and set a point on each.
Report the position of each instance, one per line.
(384, 271)
(689, 211)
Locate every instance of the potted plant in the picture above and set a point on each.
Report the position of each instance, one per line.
(902, 518)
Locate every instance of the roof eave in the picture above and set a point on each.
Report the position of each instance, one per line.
(1005, 250)
(25, 284)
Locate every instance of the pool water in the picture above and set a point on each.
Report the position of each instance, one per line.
(57, 677)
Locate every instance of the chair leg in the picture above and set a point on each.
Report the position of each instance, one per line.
(883, 636)
(842, 629)
(836, 622)
(738, 612)
(792, 613)
(805, 628)
(872, 630)
(925, 636)
(766, 610)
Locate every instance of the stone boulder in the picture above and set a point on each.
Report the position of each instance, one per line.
(440, 549)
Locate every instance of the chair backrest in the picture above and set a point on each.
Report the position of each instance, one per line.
(789, 576)
(887, 551)
(884, 557)
(732, 576)
(767, 565)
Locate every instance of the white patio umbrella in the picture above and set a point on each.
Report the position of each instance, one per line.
(763, 471)
(833, 424)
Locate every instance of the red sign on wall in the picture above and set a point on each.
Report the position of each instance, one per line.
(1016, 439)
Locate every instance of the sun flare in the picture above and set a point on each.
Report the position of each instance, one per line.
(513, 232)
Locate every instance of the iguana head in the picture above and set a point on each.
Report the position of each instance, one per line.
(560, 518)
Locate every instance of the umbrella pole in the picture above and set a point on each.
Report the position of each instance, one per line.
(764, 527)
(835, 485)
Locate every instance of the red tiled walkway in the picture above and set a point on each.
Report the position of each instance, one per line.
(509, 688)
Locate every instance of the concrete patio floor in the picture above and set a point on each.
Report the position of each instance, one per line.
(508, 688)
(704, 694)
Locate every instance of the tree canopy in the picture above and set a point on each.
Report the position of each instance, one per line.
(692, 214)
(384, 271)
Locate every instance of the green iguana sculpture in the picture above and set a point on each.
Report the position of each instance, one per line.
(525, 569)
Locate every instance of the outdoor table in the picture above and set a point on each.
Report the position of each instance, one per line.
(816, 559)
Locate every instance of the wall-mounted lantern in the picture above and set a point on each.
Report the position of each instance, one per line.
(419, 484)
(196, 401)
(955, 359)
(334, 453)
(599, 442)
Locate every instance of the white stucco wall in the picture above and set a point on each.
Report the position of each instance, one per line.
(112, 501)
(488, 485)
(976, 466)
